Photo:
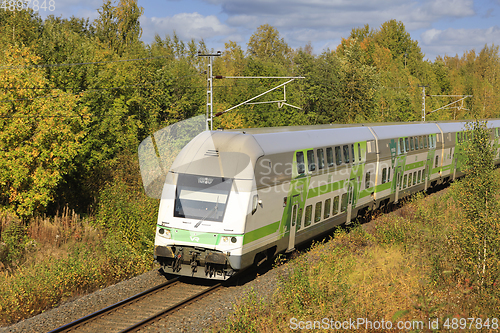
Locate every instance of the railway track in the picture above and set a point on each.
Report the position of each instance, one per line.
(141, 310)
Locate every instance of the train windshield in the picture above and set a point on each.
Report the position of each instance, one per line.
(201, 197)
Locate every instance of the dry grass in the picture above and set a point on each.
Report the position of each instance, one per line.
(397, 268)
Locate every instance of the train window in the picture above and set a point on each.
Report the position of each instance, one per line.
(352, 153)
(409, 179)
(384, 175)
(343, 204)
(359, 152)
(201, 197)
(421, 140)
(294, 215)
(338, 155)
(425, 141)
(419, 176)
(411, 143)
(407, 145)
(346, 153)
(300, 163)
(328, 203)
(367, 180)
(335, 210)
(299, 219)
(321, 159)
(389, 174)
(308, 216)
(437, 162)
(416, 143)
(399, 181)
(317, 211)
(329, 156)
(310, 160)
(414, 178)
(405, 180)
(401, 146)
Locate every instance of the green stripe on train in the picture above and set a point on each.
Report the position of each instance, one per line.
(202, 238)
(261, 232)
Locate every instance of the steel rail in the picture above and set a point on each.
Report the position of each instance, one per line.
(87, 318)
(172, 309)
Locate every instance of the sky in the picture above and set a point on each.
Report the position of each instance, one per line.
(441, 27)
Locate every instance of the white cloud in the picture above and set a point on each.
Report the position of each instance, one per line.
(457, 41)
(186, 25)
(461, 36)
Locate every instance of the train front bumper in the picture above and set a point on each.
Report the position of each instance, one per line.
(196, 262)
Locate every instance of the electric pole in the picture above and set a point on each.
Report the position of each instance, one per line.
(210, 97)
(423, 102)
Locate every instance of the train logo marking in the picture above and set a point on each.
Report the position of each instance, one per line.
(194, 238)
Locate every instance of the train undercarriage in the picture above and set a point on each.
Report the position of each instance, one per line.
(194, 261)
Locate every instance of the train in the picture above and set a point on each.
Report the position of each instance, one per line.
(237, 198)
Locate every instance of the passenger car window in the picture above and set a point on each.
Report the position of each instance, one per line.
(310, 160)
(343, 207)
(321, 159)
(335, 210)
(329, 156)
(346, 153)
(317, 212)
(308, 216)
(367, 180)
(328, 204)
(300, 162)
(338, 155)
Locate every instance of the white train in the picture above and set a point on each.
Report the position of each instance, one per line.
(236, 198)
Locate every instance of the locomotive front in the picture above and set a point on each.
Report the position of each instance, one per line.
(205, 201)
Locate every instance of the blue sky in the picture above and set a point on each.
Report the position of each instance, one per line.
(440, 27)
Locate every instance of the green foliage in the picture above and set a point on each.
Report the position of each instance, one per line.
(14, 240)
(266, 44)
(477, 239)
(125, 211)
(39, 136)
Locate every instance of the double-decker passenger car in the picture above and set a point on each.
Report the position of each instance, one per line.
(236, 198)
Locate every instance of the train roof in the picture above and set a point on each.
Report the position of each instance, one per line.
(237, 148)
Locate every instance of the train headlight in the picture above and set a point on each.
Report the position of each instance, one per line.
(233, 239)
(225, 239)
(165, 233)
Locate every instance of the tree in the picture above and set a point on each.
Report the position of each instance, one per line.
(118, 27)
(477, 239)
(358, 83)
(19, 27)
(266, 44)
(394, 37)
(39, 134)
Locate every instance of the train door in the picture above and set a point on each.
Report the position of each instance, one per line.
(398, 183)
(350, 197)
(293, 223)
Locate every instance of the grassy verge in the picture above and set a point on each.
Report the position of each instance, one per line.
(401, 267)
(47, 261)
